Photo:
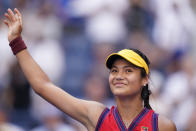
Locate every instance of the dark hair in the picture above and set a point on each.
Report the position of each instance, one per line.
(145, 90)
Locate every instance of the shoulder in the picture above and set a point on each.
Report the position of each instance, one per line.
(95, 109)
(165, 124)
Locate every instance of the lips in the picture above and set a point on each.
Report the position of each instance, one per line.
(119, 84)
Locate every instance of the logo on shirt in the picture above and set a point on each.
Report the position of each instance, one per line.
(144, 128)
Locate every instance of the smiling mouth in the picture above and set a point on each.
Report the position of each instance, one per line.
(119, 84)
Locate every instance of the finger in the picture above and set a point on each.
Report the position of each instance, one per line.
(18, 12)
(19, 15)
(7, 23)
(7, 16)
(11, 14)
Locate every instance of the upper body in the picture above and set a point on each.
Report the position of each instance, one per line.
(125, 81)
(110, 120)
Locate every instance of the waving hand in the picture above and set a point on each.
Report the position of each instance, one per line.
(14, 23)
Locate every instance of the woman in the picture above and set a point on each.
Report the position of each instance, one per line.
(128, 79)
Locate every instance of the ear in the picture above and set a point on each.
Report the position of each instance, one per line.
(145, 80)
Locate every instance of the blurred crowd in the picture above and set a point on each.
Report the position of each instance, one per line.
(71, 39)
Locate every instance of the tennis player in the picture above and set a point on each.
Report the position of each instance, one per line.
(128, 79)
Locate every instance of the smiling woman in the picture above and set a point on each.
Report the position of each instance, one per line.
(128, 78)
(136, 66)
(125, 76)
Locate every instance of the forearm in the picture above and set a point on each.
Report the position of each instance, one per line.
(36, 77)
(42, 85)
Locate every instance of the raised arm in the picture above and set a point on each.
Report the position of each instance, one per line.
(87, 112)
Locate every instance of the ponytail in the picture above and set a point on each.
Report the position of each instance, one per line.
(145, 96)
(145, 90)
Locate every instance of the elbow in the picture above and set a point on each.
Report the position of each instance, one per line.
(40, 88)
(39, 85)
(37, 89)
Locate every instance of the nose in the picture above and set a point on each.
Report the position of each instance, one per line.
(119, 75)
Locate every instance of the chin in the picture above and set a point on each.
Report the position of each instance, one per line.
(123, 91)
(120, 92)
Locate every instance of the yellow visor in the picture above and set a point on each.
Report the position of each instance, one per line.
(130, 56)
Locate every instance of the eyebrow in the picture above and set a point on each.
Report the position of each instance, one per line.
(124, 66)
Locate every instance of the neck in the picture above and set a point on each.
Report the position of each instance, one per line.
(129, 104)
(129, 108)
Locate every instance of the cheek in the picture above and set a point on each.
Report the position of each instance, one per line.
(134, 80)
(110, 79)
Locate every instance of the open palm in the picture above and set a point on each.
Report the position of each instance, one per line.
(14, 23)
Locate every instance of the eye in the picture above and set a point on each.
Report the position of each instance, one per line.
(128, 70)
(113, 70)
